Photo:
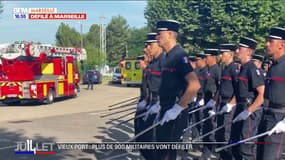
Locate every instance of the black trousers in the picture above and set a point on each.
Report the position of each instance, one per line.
(223, 135)
(245, 129)
(208, 126)
(194, 118)
(150, 135)
(170, 132)
(275, 144)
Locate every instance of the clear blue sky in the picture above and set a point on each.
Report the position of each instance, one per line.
(44, 31)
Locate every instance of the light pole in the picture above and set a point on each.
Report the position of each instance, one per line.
(81, 36)
(81, 46)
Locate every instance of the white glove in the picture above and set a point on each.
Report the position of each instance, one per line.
(194, 99)
(278, 128)
(211, 104)
(172, 113)
(211, 113)
(141, 105)
(227, 108)
(201, 102)
(154, 109)
(242, 116)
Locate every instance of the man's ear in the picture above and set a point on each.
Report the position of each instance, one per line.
(282, 44)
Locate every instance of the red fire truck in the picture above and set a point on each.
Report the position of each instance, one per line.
(38, 73)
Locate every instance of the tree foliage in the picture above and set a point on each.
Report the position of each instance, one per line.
(93, 36)
(67, 37)
(136, 41)
(117, 38)
(206, 23)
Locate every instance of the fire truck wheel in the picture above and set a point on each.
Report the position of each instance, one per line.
(75, 92)
(50, 97)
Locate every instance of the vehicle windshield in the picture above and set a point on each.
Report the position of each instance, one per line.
(117, 70)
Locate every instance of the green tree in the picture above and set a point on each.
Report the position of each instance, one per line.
(67, 37)
(93, 36)
(206, 23)
(136, 41)
(94, 57)
(117, 37)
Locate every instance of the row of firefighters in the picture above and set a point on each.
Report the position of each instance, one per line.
(218, 104)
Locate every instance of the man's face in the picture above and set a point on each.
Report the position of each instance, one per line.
(162, 38)
(153, 48)
(273, 45)
(210, 59)
(242, 52)
(265, 66)
(147, 51)
(257, 63)
(200, 63)
(225, 57)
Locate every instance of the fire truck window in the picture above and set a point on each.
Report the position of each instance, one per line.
(128, 65)
(137, 65)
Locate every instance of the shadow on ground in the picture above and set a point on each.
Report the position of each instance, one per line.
(8, 143)
(120, 133)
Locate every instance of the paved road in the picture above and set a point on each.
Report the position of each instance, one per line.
(70, 120)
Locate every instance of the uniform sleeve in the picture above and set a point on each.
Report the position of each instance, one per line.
(218, 77)
(183, 67)
(234, 76)
(256, 77)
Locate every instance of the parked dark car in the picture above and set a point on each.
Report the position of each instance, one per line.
(96, 77)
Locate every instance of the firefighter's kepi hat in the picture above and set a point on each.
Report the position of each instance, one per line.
(248, 43)
(151, 38)
(227, 47)
(211, 52)
(257, 57)
(277, 33)
(167, 25)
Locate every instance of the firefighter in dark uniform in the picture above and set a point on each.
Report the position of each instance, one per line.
(210, 96)
(192, 104)
(153, 83)
(227, 96)
(202, 71)
(193, 63)
(258, 60)
(249, 98)
(266, 64)
(179, 84)
(274, 115)
(144, 94)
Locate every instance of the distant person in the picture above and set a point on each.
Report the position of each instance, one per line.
(90, 78)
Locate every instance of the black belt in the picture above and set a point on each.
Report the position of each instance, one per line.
(225, 99)
(245, 100)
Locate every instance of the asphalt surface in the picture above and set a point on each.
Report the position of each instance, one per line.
(72, 120)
